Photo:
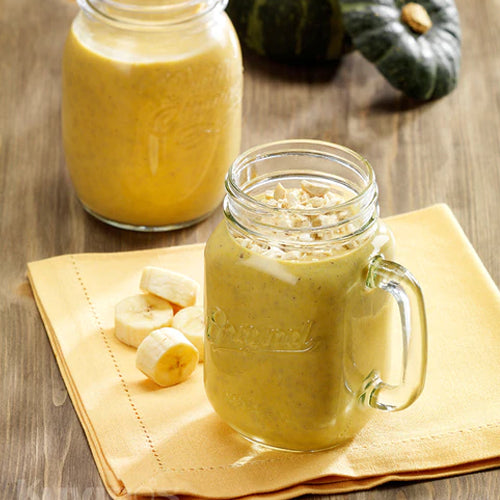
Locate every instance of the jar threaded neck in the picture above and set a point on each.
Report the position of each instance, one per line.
(291, 163)
(152, 14)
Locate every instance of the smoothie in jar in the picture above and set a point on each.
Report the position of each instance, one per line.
(299, 341)
(151, 113)
(276, 334)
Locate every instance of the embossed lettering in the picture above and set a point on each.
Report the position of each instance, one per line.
(245, 337)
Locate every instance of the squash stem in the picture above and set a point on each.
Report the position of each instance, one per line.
(416, 17)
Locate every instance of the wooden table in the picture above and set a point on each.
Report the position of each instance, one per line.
(444, 151)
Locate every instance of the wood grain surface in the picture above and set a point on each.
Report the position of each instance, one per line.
(443, 151)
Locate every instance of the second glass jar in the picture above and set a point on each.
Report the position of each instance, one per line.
(151, 109)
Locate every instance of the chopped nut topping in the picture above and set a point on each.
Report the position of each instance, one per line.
(279, 192)
(317, 226)
(314, 189)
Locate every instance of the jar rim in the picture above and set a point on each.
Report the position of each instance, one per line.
(297, 146)
(155, 16)
(249, 182)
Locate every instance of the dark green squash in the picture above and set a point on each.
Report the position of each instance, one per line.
(419, 57)
(303, 31)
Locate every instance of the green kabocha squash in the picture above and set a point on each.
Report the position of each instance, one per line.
(416, 46)
(304, 31)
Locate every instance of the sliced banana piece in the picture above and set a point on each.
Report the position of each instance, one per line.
(200, 299)
(174, 287)
(166, 357)
(191, 322)
(137, 316)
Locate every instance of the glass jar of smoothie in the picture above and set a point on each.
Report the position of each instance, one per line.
(300, 287)
(151, 109)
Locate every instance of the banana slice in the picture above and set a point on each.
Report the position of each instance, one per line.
(166, 357)
(137, 316)
(190, 322)
(174, 287)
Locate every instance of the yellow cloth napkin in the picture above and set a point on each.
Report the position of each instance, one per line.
(168, 441)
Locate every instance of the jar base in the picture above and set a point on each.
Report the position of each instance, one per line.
(144, 228)
(318, 449)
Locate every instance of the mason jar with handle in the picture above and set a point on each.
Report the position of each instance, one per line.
(301, 290)
(151, 109)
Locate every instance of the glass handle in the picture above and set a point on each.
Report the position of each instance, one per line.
(400, 283)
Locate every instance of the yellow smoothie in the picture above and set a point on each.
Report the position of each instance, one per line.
(151, 123)
(284, 338)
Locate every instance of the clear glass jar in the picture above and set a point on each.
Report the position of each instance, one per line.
(151, 109)
(299, 343)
